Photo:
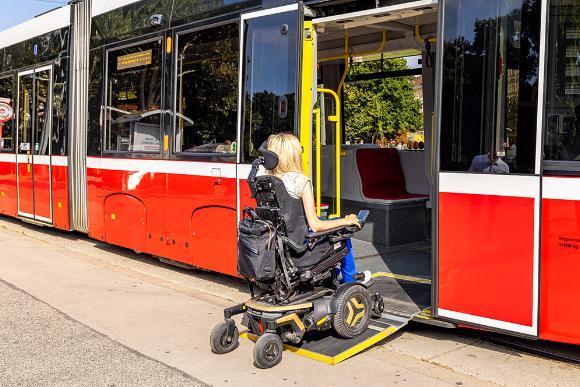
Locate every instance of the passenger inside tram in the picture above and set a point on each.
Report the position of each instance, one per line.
(489, 163)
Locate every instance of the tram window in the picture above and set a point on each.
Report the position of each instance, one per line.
(133, 109)
(6, 115)
(207, 92)
(490, 86)
(562, 113)
(269, 87)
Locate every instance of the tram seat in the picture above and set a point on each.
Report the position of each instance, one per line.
(381, 176)
(390, 183)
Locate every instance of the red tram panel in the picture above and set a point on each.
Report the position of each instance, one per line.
(8, 192)
(60, 192)
(560, 265)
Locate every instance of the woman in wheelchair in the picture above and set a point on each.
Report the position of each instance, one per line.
(302, 267)
(289, 170)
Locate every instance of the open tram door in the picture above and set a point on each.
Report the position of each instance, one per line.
(374, 53)
(490, 82)
(34, 122)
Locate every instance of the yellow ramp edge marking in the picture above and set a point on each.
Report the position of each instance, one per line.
(332, 360)
(298, 351)
(402, 277)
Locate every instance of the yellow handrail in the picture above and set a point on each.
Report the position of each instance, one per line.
(418, 34)
(363, 53)
(318, 184)
(346, 64)
(338, 141)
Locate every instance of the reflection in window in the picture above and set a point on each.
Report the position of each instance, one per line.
(490, 82)
(6, 114)
(42, 115)
(562, 141)
(133, 108)
(207, 93)
(270, 60)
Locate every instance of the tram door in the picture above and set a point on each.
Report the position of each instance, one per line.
(489, 171)
(34, 135)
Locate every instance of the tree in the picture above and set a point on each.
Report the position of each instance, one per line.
(383, 107)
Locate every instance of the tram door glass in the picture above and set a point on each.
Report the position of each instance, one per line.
(6, 115)
(34, 143)
(562, 120)
(133, 110)
(490, 86)
(489, 184)
(270, 61)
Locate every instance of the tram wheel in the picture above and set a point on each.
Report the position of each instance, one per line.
(353, 313)
(268, 351)
(219, 340)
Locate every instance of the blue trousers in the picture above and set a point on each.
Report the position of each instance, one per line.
(347, 265)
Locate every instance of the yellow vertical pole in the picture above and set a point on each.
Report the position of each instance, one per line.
(318, 184)
(338, 142)
(308, 36)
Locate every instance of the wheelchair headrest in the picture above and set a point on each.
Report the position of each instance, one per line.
(270, 158)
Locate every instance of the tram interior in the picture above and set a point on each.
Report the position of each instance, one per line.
(385, 156)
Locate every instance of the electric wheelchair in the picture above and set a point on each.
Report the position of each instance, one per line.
(292, 274)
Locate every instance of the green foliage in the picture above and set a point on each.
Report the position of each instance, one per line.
(383, 107)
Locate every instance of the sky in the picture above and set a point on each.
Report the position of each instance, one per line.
(16, 11)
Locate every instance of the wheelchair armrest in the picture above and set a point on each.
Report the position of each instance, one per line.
(294, 246)
(321, 234)
(337, 230)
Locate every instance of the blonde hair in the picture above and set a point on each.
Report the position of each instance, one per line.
(289, 151)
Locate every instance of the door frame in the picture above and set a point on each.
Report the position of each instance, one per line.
(20, 74)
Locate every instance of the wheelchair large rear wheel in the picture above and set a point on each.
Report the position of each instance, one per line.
(353, 314)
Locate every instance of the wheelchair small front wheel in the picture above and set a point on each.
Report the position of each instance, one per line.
(353, 313)
(219, 340)
(268, 350)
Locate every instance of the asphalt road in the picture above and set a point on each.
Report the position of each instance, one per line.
(41, 346)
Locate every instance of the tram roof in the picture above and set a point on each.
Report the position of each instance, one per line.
(53, 20)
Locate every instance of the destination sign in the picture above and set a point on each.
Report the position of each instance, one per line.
(137, 59)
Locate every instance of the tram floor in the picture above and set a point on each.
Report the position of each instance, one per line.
(402, 275)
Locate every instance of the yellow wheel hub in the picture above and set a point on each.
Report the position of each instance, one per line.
(356, 311)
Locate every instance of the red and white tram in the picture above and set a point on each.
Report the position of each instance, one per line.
(135, 121)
